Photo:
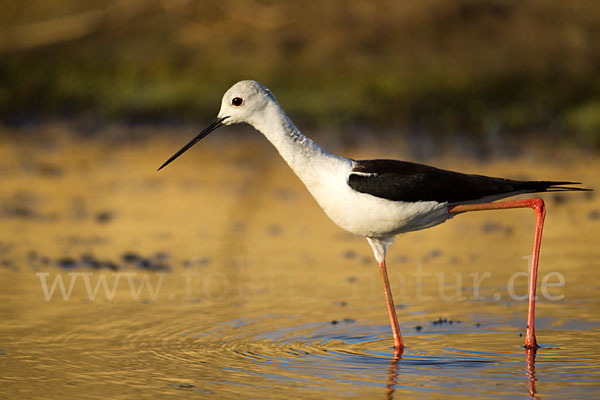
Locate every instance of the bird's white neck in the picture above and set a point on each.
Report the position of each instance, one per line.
(324, 175)
(304, 156)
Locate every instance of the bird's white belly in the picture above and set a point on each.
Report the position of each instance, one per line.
(370, 216)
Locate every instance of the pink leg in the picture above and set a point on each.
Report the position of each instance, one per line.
(398, 345)
(540, 210)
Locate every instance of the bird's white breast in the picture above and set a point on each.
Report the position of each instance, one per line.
(361, 213)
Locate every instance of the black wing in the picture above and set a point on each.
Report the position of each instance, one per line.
(411, 182)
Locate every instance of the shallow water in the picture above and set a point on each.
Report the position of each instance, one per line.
(224, 279)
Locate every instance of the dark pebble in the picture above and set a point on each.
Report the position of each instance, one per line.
(109, 265)
(20, 212)
(147, 264)
(89, 260)
(495, 227)
(197, 261)
(49, 170)
(477, 324)
(559, 199)
(184, 385)
(490, 227)
(334, 322)
(161, 267)
(162, 256)
(418, 328)
(274, 230)
(435, 253)
(8, 264)
(104, 217)
(594, 215)
(66, 263)
(130, 257)
(401, 259)
(351, 279)
(349, 254)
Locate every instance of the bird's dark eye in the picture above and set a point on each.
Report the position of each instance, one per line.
(237, 101)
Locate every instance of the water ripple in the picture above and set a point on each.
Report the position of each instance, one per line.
(317, 355)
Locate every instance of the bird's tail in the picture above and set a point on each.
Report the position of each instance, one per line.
(549, 186)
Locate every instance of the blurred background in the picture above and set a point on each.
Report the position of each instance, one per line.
(479, 69)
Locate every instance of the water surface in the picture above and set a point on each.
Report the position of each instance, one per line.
(224, 279)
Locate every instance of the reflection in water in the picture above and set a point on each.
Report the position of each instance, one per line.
(393, 373)
(394, 370)
(531, 371)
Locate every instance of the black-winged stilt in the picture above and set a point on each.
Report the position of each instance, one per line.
(378, 199)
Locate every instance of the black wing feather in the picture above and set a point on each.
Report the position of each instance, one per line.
(412, 182)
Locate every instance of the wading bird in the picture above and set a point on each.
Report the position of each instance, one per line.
(378, 199)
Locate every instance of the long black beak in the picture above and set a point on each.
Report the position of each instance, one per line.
(214, 125)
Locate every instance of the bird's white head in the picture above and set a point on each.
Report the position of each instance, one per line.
(243, 102)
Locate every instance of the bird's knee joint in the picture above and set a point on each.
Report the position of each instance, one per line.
(538, 206)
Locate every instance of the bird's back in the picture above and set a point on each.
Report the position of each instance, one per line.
(411, 182)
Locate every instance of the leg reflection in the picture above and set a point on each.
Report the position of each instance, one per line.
(531, 371)
(393, 373)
